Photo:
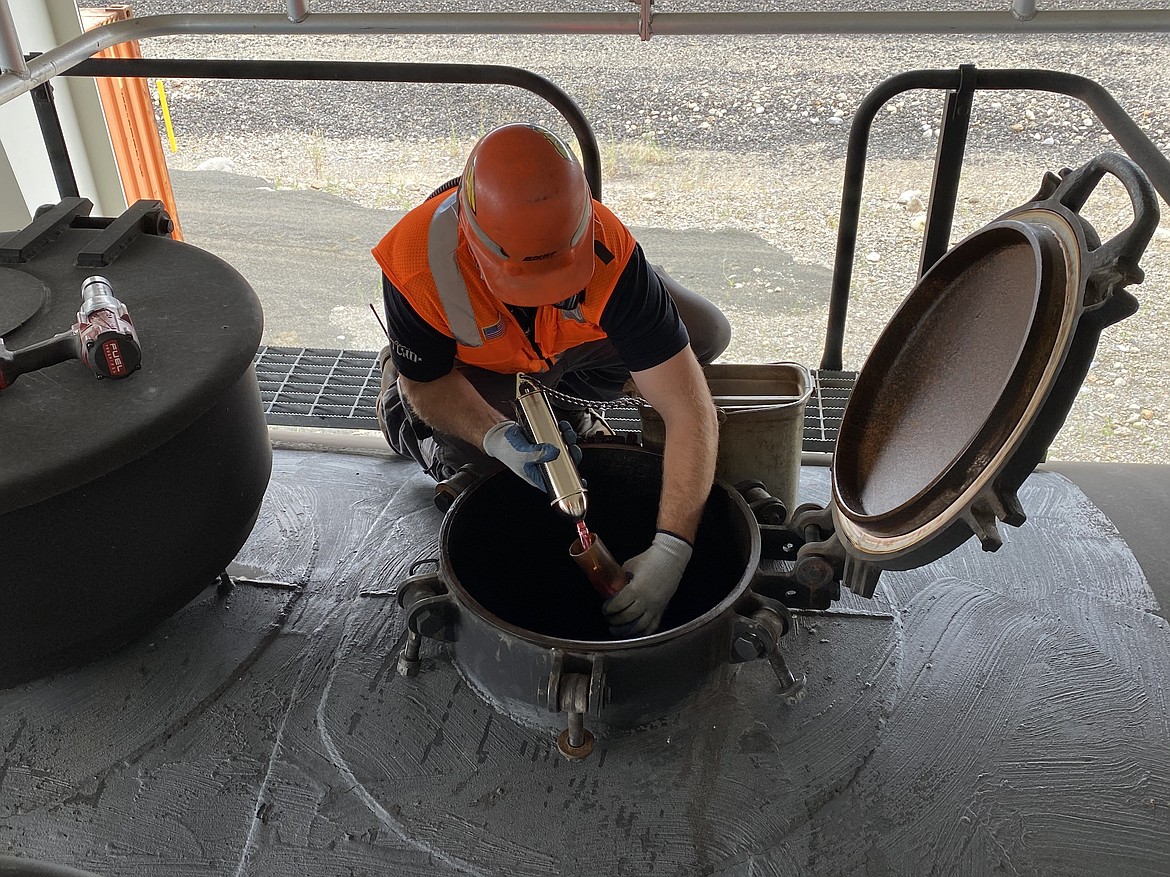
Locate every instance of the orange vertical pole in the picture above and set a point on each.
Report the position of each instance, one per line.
(130, 119)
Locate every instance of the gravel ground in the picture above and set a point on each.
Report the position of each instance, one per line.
(743, 133)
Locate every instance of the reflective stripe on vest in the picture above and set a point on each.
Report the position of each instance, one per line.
(442, 239)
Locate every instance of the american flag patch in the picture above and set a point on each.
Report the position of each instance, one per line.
(491, 333)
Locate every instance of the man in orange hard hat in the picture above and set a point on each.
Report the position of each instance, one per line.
(515, 268)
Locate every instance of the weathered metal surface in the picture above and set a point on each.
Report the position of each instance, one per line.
(931, 398)
(1006, 715)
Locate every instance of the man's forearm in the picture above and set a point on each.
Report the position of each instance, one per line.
(451, 405)
(679, 392)
(688, 470)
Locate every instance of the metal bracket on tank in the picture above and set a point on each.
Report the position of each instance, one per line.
(141, 217)
(766, 508)
(47, 225)
(575, 685)
(427, 604)
(818, 560)
(758, 636)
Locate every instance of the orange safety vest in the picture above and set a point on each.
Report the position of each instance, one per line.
(426, 258)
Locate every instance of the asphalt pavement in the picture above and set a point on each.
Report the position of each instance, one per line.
(307, 255)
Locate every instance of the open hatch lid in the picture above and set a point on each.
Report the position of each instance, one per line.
(976, 372)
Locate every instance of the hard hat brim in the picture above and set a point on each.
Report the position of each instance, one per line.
(543, 282)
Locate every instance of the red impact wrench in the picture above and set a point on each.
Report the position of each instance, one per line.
(103, 338)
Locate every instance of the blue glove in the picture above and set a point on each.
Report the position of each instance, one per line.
(507, 442)
(636, 610)
(570, 437)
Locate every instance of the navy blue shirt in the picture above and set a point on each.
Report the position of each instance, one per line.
(640, 319)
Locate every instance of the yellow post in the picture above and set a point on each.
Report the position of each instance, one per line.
(166, 114)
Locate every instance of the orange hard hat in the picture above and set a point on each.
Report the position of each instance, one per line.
(527, 215)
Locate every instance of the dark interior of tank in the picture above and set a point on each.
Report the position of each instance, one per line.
(510, 550)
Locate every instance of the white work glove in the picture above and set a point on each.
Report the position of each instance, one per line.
(507, 442)
(636, 610)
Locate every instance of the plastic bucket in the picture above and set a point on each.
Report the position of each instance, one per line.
(761, 424)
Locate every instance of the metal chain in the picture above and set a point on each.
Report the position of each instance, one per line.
(624, 402)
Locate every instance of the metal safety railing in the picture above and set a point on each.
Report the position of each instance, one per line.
(960, 85)
(1015, 17)
(360, 71)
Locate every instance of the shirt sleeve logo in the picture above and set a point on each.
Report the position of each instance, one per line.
(403, 351)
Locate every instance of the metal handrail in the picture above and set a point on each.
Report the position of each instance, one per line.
(364, 71)
(1117, 122)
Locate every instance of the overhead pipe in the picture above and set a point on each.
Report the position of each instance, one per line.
(61, 58)
(12, 63)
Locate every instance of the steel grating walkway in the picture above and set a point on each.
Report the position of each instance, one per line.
(826, 405)
(337, 389)
(316, 387)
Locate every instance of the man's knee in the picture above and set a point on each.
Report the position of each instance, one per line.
(711, 337)
(438, 455)
(707, 326)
